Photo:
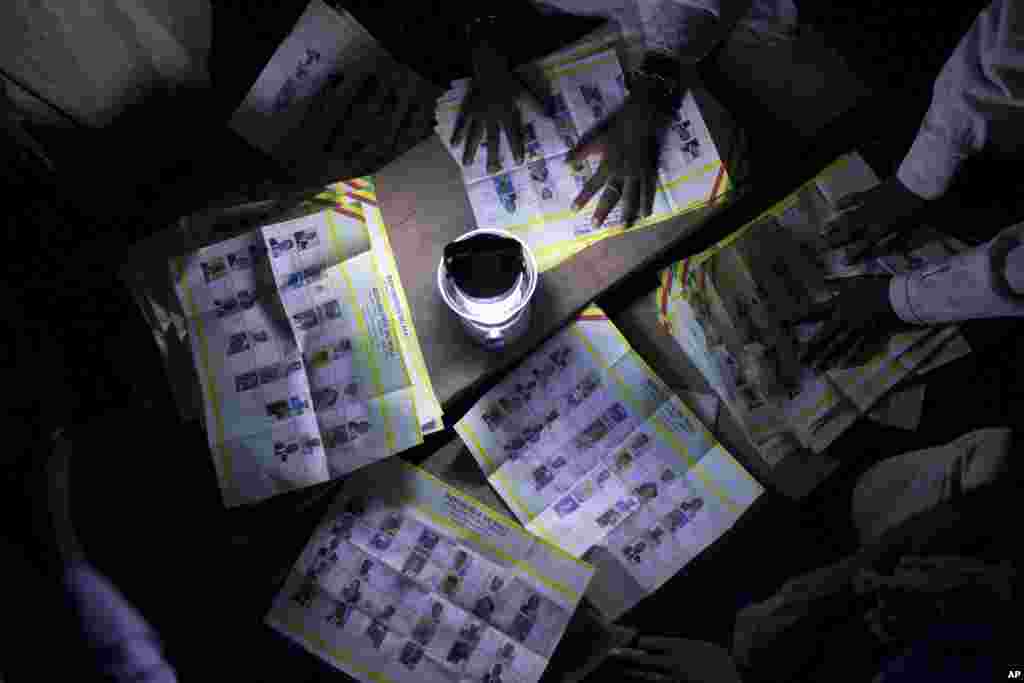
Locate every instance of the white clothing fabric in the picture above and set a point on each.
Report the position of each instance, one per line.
(978, 100)
(899, 488)
(688, 29)
(984, 282)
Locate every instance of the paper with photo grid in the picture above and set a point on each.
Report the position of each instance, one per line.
(590, 449)
(533, 199)
(332, 101)
(407, 579)
(720, 304)
(303, 341)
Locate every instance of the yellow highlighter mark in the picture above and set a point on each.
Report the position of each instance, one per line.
(221, 452)
(678, 445)
(364, 342)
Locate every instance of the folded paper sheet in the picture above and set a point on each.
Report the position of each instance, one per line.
(592, 452)
(303, 342)
(727, 306)
(407, 579)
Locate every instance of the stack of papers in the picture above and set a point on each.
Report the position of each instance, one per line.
(584, 86)
(304, 345)
(407, 579)
(724, 307)
(593, 453)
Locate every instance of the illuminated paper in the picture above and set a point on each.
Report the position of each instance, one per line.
(591, 450)
(533, 199)
(303, 342)
(407, 579)
(730, 304)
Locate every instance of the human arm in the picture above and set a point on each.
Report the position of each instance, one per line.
(675, 36)
(977, 100)
(984, 282)
(490, 105)
(124, 645)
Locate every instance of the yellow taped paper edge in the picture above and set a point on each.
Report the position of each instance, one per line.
(370, 354)
(469, 437)
(773, 211)
(495, 516)
(411, 348)
(222, 461)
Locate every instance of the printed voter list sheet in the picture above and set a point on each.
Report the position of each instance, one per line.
(585, 85)
(592, 452)
(407, 579)
(303, 342)
(727, 309)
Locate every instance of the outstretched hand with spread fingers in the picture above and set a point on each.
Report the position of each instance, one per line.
(858, 317)
(628, 142)
(869, 218)
(490, 107)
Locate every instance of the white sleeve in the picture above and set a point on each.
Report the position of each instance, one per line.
(984, 282)
(978, 97)
(687, 29)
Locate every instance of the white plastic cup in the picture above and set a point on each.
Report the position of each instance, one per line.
(495, 322)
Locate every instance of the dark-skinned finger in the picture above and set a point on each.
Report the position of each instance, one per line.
(512, 122)
(657, 644)
(847, 359)
(651, 676)
(842, 230)
(881, 240)
(474, 137)
(650, 191)
(634, 188)
(535, 98)
(786, 361)
(851, 200)
(493, 146)
(820, 341)
(857, 251)
(816, 312)
(841, 341)
(640, 658)
(590, 188)
(591, 142)
(466, 112)
(609, 200)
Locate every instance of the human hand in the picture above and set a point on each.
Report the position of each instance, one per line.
(629, 142)
(490, 106)
(940, 574)
(858, 316)
(675, 660)
(923, 589)
(870, 216)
